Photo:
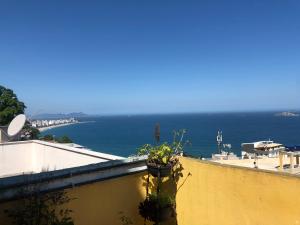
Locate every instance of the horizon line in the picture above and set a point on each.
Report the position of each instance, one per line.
(173, 113)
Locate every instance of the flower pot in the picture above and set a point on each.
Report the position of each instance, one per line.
(152, 212)
(162, 170)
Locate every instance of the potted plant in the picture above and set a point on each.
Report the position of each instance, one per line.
(162, 158)
(157, 208)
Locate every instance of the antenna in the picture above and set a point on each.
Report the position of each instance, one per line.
(16, 125)
(219, 140)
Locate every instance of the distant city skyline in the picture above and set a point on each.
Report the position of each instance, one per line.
(138, 57)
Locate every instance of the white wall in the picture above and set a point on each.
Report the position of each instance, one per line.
(16, 159)
(36, 156)
(51, 158)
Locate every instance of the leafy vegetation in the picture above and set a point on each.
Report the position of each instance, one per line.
(162, 161)
(41, 209)
(63, 139)
(10, 106)
(48, 137)
(156, 204)
(165, 153)
(29, 132)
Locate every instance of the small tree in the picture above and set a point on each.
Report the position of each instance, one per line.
(64, 139)
(48, 137)
(29, 132)
(10, 106)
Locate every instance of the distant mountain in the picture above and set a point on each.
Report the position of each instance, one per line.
(59, 115)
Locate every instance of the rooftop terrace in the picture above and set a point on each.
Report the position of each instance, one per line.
(206, 193)
(265, 163)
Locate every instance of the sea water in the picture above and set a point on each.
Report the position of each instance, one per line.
(122, 135)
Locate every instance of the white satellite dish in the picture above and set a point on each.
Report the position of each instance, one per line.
(16, 125)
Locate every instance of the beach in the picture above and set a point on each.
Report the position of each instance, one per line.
(41, 129)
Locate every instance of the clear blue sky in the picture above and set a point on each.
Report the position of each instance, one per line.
(115, 57)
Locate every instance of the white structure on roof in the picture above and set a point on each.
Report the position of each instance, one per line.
(15, 126)
(50, 167)
(263, 148)
(26, 157)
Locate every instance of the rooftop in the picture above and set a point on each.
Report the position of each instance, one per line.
(28, 157)
(264, 163)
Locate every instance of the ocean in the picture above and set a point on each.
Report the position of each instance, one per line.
(122, 135)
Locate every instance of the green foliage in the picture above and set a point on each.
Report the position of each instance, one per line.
(34, 133)
(41, 209)
(29, 132)
(164, 154)
(160, 154)
(154, 204)
(10, 106)
(158, 207)
(47, 137)
(162, 200)
(64, 139)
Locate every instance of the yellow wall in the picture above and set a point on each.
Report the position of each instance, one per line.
(100, 203)
(216, 194)
(213, 195)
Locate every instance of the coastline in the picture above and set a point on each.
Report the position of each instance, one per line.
(42, 129)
